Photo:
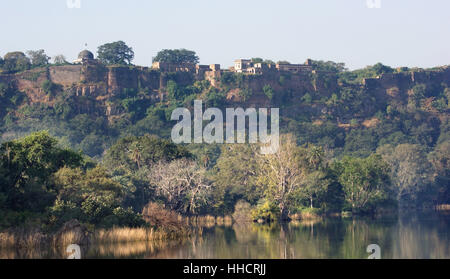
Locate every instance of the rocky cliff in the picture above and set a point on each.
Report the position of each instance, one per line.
(103, 83)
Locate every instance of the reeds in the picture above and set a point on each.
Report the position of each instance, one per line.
(210, 221)
(124, 235)
(7, 239)
(114, 235)
(68, 238)
(22, 239)
(443, 207)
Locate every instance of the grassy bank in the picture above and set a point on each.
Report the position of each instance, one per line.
(34, 239)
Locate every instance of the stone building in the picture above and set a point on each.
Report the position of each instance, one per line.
(171, 67)
(202, 69)
(249, 67)
(84, 57)
(241, 65)
(294, 68)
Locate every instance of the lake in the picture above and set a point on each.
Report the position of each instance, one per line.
(423, 236)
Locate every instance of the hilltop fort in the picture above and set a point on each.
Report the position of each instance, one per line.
(86, 76)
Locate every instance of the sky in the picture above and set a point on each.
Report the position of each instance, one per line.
(412, 33)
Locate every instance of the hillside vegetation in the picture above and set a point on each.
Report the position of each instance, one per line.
(363, 141)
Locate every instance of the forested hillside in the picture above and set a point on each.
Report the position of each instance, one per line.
(362, 141)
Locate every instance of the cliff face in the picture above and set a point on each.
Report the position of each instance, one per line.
(94, 80)
(293, 85)
(103, 83)
(396, 84)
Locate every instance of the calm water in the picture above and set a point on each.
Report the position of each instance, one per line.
(413, 236)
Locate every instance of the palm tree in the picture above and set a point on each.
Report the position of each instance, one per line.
(315, 156)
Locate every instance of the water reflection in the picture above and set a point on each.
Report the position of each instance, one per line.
(412, 236)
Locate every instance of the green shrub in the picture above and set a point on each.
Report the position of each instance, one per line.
(266, 212)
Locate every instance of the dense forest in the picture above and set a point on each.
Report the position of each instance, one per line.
(346, 150)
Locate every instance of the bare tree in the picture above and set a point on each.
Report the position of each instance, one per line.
(283, 173)
(60, 59)
(182, 182)
(411, 171)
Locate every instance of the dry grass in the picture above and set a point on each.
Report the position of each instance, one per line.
(121, 235)
(68, 238)
(124, 235)
(7, 239)
(305, 216)
(114, 235)
(228, 221)
(318, 122)
(443, 207)
(158, 216)
(22, 239)
(370, 123)
(210, 221)
(205, 221)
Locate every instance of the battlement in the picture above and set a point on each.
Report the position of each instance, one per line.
(172, 67)
(249, 67)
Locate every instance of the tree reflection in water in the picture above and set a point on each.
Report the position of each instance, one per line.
(412, 236)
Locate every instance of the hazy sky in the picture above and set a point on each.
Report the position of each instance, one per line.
(399, 33)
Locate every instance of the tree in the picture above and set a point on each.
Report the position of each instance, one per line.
(131, 153)
(328, 66)
(411, 171)
(235, 177)
(16, 62)
(176, 56)
(26, 166)
(307, 98)
(381, 69)
(257, 60)
(365, 181)
(60, 60)
(440, 158)
(131, 159)
(282, 174)
(115, 53)
(92, 197)
(315, 156)
(419, 92)
(268, 91)
(182, 183)
(38, 58)
(174, 92)
(49, 87)
(314, 185)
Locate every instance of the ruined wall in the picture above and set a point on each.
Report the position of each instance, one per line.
(296, 85)
(30, 82)
(181, 78)
(149, 79)
(65, 75)
(94, 73)
(122, 77)
(103, 82)
(397, 85)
